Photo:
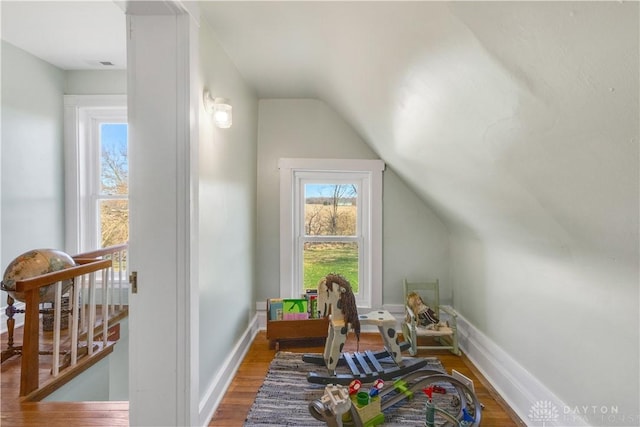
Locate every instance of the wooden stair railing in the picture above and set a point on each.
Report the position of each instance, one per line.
(118, 255)
(92, 269)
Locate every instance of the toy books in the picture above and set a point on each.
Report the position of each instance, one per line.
(295, 309)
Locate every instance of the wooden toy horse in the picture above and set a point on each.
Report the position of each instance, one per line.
(336, 298)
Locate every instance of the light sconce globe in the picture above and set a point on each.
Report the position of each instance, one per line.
(220, 108)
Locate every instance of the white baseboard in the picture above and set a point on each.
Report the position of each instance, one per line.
(534, 403)
(261, 314)
(218, 387)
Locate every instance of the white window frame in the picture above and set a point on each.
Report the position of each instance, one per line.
(83, 115)
(294, 173)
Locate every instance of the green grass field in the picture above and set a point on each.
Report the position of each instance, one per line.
(325, 258)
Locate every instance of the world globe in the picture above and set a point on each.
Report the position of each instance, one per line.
(35, 263)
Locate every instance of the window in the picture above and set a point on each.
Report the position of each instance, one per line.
(331, 222)
(112, 195)
(96, 172)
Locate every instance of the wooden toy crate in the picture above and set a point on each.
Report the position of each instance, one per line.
(285, 330)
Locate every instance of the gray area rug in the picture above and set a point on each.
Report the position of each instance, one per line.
(284, 397)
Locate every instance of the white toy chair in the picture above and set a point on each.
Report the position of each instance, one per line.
(414, 325)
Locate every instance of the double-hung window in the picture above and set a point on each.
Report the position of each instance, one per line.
(96, 172)
(331, 222)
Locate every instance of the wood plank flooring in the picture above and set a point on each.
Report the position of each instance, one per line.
(15, 412)
(236, 402)
(242, 391)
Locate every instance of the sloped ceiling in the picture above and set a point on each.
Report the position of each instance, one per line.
(516, 121)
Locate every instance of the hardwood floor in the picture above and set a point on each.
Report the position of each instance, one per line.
(236, 402)
(241, 394)
(18, 413)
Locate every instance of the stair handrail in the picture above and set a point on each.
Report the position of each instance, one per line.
(85, 277)
(29, 378)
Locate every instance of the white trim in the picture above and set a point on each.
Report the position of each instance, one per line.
(95, 101)
(79, 110)
(261, 314)
(186, 175)
(512, 381)
(337, 165)
(193, 297)
(166, 130)
(221, 382)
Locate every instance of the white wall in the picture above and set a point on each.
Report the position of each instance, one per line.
(107, 380)
(91, 385)
(227, 213)
(415, 241)
(96, 82)
(544, 198)
(518, 123)
(32, 154)
(32, 196)
(119, 366)
(569, 320)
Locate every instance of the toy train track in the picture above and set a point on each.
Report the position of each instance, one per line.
(466, 412)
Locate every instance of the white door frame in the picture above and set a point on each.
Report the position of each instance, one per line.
(162, 65)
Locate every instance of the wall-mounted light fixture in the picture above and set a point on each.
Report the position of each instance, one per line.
(221, 109)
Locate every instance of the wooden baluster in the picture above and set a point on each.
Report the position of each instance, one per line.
(120, 274)
(105, 307)
(85, 296)
(57, 315)
(74, 298)
(92, 313)
(112, 305)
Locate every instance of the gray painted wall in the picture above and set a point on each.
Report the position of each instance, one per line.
(227, 212)
(106, 380)
(92, 82)
(32, 196)
(415, 241)
(32, 154)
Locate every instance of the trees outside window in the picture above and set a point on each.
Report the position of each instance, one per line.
(113, 197)
(96, 172)
(330, 239)
(331, 222)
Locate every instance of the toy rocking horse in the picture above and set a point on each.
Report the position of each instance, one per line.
(336, 298)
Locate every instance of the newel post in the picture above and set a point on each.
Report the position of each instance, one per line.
(30, 343)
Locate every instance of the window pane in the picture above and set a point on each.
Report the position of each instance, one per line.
(114, 166)
(114, 222)
(330, 209)
(321, 259)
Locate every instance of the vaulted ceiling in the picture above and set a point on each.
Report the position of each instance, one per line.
(516, 121)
